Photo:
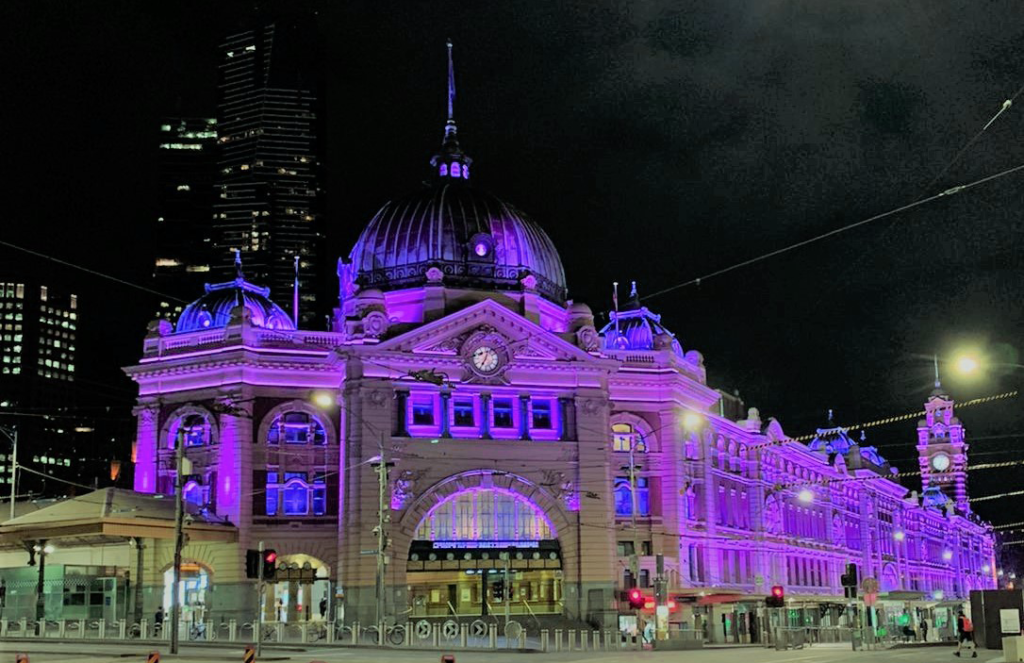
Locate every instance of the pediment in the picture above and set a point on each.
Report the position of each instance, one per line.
(524, 340)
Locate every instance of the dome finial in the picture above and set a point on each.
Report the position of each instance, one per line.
(238, 264)
(452, 162)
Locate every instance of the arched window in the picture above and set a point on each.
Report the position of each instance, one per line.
(444, 170)
(193, 493)
(456, 170)
(296, 428)
(625, 436)
(624, 498)
(485, 514)
(193, 429)
(292, 494)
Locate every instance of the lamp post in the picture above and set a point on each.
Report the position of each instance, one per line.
(40, 549)
(12, 435)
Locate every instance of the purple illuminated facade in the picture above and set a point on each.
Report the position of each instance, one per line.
(456, 354)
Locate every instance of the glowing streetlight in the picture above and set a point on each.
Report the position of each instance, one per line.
(986, 568)
(806, 496)
(966, 364)
(692, 421)
(323, 398)
(947, 555)
(899, 535)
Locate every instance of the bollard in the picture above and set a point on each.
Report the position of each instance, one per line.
(612, 638)
(464, 635)
(583, 640)
(250, 654)
(597, 640)
(355, 633)
(280, 632)
(24, 626)
(101, 629)
(62, 628)
(154, 657)
(436, 635)
(558, 639)
(232, 630)
(330, 632)
(572, 640)
(122, 628)
(492, 636)
(544, 639)
(304, 627)
(209, 633)
(21, 658)
(408, 633)
(522, 639)
(381, 631)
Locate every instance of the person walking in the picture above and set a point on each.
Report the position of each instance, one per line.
(965, 633)
(158, 620)
(323, 608)
(924, 630)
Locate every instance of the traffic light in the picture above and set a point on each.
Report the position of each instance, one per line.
(777, 598)
(636, 599)
(269, 564)
(499, 590)
(252, 564)
(849, 581)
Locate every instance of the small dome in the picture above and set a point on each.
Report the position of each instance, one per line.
(213, 310)
(474, 238)
(634, 327)
(933, 497)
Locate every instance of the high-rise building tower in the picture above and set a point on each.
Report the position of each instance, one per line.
(184, 241)
(266, 190)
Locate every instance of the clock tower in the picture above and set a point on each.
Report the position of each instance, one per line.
(941, 449)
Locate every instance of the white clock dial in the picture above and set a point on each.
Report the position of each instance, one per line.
(940, 462)
(485, 359)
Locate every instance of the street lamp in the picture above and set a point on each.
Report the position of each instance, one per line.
(899, 535)
(806, 496)
(324, 399)
(12, 435)
(692, 421)
(40, 549)
(966, 364)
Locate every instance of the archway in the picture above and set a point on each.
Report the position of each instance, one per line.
(192, 589)
(482, 547)
(300, 592)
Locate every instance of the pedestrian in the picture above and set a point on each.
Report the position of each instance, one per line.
(965, 633)
(924, 630)
(158, 620)
(323, 608)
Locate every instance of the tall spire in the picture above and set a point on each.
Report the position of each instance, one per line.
(450, 126)
(935, 358)
(451, 162)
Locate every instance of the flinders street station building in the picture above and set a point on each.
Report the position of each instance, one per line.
(466, 414)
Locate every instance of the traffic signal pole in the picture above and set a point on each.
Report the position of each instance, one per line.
(259, 605)
(179, 525)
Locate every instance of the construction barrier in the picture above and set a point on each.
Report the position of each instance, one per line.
(154, 657)
(250, 654)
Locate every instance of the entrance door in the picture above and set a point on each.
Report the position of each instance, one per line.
(453, 598)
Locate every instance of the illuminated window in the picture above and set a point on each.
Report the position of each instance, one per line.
(503, 413)
(43, 293)
(444, 170)
(456, 170)
(624, 499)
(485, 514)
(463, 412)
(296, 428)
(423, 411)
(195, 431)
(625, 436)
(542, 414)
(297, 496)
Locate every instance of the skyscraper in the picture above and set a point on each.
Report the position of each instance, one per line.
(184, 242)
(266, 189)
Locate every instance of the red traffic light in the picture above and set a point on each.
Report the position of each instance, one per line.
(270, 557)
(778, 592)
(635, 595)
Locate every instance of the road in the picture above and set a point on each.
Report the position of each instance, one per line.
(55, 652)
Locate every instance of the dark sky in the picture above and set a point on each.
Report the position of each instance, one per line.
(655, 141)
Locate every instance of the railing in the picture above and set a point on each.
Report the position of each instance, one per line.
(248, 336)
(448, 634)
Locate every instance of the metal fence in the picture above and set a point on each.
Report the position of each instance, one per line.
(421, 634)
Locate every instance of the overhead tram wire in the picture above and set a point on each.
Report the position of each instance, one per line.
(93, 272)
(951, 191)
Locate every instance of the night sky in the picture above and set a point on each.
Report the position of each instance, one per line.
(656, 141)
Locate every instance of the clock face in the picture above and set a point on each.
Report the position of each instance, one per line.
(940, 462)
(485, 359)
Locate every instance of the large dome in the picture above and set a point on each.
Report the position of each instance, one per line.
(474, 238)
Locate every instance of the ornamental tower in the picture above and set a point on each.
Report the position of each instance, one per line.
(942, 451)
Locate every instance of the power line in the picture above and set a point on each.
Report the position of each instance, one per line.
(93, 272)
(771, 254)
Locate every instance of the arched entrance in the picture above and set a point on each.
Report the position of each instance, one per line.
(484, 549)
(195, 583)
(300, 592)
